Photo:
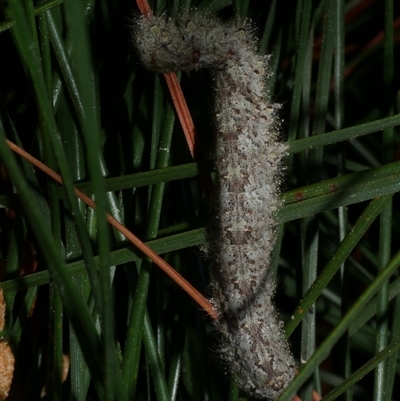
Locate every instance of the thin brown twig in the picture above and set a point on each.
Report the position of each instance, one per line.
(187, 124)
(162, 264)
(374, 42)
(144, 8)
(182, 110)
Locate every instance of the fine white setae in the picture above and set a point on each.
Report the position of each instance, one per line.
(248, 157)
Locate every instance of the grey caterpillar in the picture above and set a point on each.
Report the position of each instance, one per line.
(248, 157)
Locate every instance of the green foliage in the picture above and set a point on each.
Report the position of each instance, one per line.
(73, 94)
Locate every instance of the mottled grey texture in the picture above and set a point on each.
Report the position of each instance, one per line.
(248, 162)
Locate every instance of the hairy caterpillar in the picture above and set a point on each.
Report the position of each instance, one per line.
(247, 159)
